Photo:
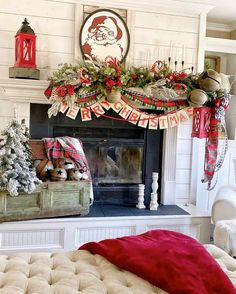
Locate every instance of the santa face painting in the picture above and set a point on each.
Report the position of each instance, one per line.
(103, 37)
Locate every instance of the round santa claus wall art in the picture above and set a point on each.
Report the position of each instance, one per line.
(104, 33)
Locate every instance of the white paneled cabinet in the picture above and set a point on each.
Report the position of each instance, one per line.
(63, 234)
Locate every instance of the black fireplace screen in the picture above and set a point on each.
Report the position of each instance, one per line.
(115, 163)
(120, 155)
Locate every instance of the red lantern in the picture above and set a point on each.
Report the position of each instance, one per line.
(25, 46)
(201, 122)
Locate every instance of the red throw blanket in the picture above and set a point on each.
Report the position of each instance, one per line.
(62, 147)
(169, 260)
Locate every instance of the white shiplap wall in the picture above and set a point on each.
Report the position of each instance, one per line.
(152, 33)
(155, 30)
(54, 24)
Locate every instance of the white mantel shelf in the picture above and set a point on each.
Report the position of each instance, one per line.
(25, 90)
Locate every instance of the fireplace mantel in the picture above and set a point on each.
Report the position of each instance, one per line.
(25, 91)
(21, 92)
(68, 234)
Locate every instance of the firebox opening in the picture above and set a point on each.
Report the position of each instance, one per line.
(120, 155)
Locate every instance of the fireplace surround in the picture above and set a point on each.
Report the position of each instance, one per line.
(18, 95)
(57, 234)
(120, 155)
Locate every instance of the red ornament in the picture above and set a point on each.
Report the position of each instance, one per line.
(25, 46)
(201, 122)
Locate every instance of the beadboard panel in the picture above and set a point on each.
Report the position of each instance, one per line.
(63, 234)
(84, 235)
(28, 239)
(190, 230)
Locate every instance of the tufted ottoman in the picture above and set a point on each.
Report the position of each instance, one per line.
(227, 263)
(67, 273)
(80, 272)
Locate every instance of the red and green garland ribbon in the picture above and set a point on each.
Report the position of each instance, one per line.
(144, 100)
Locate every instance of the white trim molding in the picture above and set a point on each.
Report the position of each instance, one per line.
(20, 90)
(220, 27)
(168, 180)
(220, 45)
(201, 42)
(64, 234)
(179, 7)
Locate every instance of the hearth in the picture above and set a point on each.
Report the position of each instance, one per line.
(120, 154)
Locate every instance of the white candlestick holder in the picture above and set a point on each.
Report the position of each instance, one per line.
(141, 188)
(153, 202)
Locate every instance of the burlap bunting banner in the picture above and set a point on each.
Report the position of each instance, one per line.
(131, 114)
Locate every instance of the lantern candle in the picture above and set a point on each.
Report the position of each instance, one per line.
(25, 54)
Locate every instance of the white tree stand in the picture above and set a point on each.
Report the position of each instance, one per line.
(140, 204)
(153, 203)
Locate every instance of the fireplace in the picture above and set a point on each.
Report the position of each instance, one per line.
(120, 155)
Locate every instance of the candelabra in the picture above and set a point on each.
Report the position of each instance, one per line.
(154, 203)
(140, 204)
(176, 65)
(169, 61)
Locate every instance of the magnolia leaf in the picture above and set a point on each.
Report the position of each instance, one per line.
(70, 100)
(54, 109)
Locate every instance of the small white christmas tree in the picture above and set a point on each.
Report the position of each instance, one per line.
(16, 170)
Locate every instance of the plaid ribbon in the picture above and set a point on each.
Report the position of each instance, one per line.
(67, 147)
(211, 150)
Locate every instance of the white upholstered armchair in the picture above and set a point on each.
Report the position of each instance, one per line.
(224, 219)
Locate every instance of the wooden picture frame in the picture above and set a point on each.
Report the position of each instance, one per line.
(104, 33)
(212, 62)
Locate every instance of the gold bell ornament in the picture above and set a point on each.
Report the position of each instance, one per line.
(197, 98)
(209, 80)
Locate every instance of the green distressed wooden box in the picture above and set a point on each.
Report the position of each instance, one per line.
(50, 199)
